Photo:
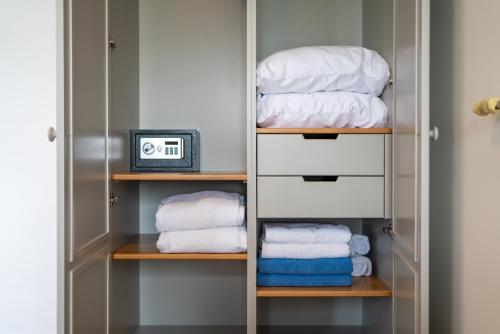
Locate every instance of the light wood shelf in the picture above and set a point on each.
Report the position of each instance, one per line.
(243, 330)
(143, 247)
(191, 330)
(361, 287)
(324, 130)
(201, 176)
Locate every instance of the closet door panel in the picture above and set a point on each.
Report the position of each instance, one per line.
(406, 128)
(411, 167)
(405, 297)
(88, 39)
(88, 293)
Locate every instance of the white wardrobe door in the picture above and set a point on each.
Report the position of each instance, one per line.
(411, 166)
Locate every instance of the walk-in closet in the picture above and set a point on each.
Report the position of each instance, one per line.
(192, 64)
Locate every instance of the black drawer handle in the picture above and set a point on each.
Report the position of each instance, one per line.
(320, 178)
(331, 136)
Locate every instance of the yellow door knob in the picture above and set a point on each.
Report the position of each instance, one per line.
(487, 106)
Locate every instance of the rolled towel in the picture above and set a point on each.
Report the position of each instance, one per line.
(205, 209)
(306, 233)
(361, 266)
(360, 244)
(304, 251)
(305, 267)
(303, 280)
(210, 240)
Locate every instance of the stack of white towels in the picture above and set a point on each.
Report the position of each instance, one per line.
(316, 241)
(202, 222)
(322, 87)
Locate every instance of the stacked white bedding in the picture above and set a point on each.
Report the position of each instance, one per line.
(305, 241)
(202, 222)
(322, 86)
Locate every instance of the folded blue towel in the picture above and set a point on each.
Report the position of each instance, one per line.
(303, 280)
(341, 265)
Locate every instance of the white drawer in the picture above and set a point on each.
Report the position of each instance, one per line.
(318, 197)
(344, 154)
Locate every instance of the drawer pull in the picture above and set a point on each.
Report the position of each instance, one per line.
(331, 136)
(320, 178)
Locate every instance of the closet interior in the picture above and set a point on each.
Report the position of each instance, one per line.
(191, 64)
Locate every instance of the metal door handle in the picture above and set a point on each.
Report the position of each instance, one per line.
(434, 133)
(487, 106)
(51, 134)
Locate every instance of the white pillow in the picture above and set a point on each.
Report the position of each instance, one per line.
(321, 110)
(323, 68)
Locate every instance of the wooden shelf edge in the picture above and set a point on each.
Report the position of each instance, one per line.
(324, 130)
(143, 247)
(202, 176)
(361, 287)
(179, 256)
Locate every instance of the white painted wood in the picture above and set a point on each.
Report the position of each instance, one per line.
(411, 167)
(405, 296)
(29, 102)
(406, 128)
(251, 164)
(88, 295)
(87, 122)
(292, 197)
(388, 176)
(293, 154)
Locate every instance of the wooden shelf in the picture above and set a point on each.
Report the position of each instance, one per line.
(202, 176)
(324, 131)
(143, 247)
(191, 330)
(310, 329)
(361, 287)
(242, 330)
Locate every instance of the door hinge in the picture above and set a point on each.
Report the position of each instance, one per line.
(388, 230)
(113, 199)
(112, 45)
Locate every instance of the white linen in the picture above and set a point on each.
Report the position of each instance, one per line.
(359, 244)
(361, 266)
(304, 251)
(323, 68)
(306, 233)
(321, 110)
(204, 209)
(210, 240)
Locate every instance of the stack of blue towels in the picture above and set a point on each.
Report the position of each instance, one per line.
(311, 255)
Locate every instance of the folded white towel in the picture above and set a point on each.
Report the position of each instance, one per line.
(360, 245)
(361, 266)
(209, 240)
(304, 251)
(205, 209)
(306, 233)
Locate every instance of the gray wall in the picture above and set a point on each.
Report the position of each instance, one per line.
(465, 215)
(318, 22)
(192, 75)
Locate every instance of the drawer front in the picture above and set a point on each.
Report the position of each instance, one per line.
(296, 154)
(318, 197)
